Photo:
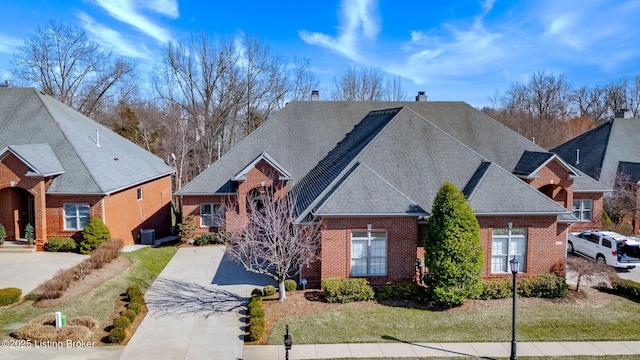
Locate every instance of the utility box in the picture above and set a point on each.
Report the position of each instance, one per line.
(147, 236)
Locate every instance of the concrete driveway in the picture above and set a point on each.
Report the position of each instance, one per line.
(196, 308)
(28, 270)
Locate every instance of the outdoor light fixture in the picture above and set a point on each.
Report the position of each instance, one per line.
(288, 343)
(515, 266)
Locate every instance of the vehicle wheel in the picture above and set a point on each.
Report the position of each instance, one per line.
(570, 247)
(600, 259)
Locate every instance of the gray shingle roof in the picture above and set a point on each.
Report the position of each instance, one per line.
(29, 117)
(40, 158)
(629, 171)
(392, 161)
(592, 145)
(530, 161)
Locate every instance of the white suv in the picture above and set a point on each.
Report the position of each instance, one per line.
(607, 247)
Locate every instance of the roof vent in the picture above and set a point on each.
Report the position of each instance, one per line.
(623, 114)
(315, 95)
(421, 96)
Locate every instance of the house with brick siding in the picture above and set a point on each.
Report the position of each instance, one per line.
(611, 154)
(58, 168)
(371, 170)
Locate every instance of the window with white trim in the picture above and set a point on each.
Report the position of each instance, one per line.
(582, 209)
(139, 193)
(505, 245)
(76, 216)
(368, 253)
(211, 215)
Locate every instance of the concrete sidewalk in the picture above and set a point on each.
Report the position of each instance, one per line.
(427, 350)
(196, 308)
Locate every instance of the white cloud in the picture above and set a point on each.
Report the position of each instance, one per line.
(9, 44)
(164, 7)
(127, 12)
(359, 22)
(112, 39)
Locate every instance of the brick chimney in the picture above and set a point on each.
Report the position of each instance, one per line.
(315, 95)
(421, 96)
(623, 114)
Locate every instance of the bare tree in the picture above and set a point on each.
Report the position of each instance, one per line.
(394, 90)
(358, 84)
(590, 103)
(304, 81)
(616, 96)
(269, 242)
(621, 203)
(588, 269)
(61, 61)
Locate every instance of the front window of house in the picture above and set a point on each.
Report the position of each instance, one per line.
(368, 253)
(75, 216)
(506, 244)
(582, 209)
(211, 215)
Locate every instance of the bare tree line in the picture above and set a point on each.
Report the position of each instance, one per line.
(548, 110)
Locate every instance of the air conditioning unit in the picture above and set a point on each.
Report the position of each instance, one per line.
(147, 236)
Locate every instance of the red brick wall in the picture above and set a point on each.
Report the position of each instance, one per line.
(596, 212)
(554, 181)
(125, 215)
(191, 206)
(13, 209)
(402, 234)
(55, 213)
(546, 241)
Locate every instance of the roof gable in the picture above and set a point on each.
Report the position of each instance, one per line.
(487, 195)
(531, 162)
(363, 192)
(40, 159)
(264, 156)
(587, 151)
(95, 159)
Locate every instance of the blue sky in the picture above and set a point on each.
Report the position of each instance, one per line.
(466, 51)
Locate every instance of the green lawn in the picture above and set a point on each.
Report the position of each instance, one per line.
(618, 320)
(147, 263)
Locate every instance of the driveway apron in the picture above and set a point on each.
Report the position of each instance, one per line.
(197, 308)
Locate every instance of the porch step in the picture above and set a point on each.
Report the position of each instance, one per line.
(17, 247)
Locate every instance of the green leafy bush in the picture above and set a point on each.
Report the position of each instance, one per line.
(122, 322)
(136, 306)
(290, 285)
(187, 228)
(208, 238)
(29, 233)
(627, 288)
(130, 314)
(117, 335)
(95, 233)
(336, 290)
(60, 244)
(547, 285)
(453, 253)
(405, 290)
(496, 289)
(133, 292)
(256, 318)
(9, 296)
(257, 292)
(269, 290)
(3, 234)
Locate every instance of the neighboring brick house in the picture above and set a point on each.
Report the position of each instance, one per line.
(370, 171)
(609, 153)
(58, 168)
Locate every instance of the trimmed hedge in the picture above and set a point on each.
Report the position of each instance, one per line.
(122, 322)
(130, 314)
(257, 292)
(627, 288)
(405, 290)
(269, 290)
(290, 285)
(9, 295)
(550, 285)
(208, 239)
(256, 318)
(134, 292)
(60, 244)
(117, 335)
(337, 290)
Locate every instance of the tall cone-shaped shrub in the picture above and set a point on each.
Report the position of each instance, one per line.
(453, 254)
(94, 234)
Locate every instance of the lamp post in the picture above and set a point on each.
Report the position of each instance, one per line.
(515, 265)
(288, 343)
